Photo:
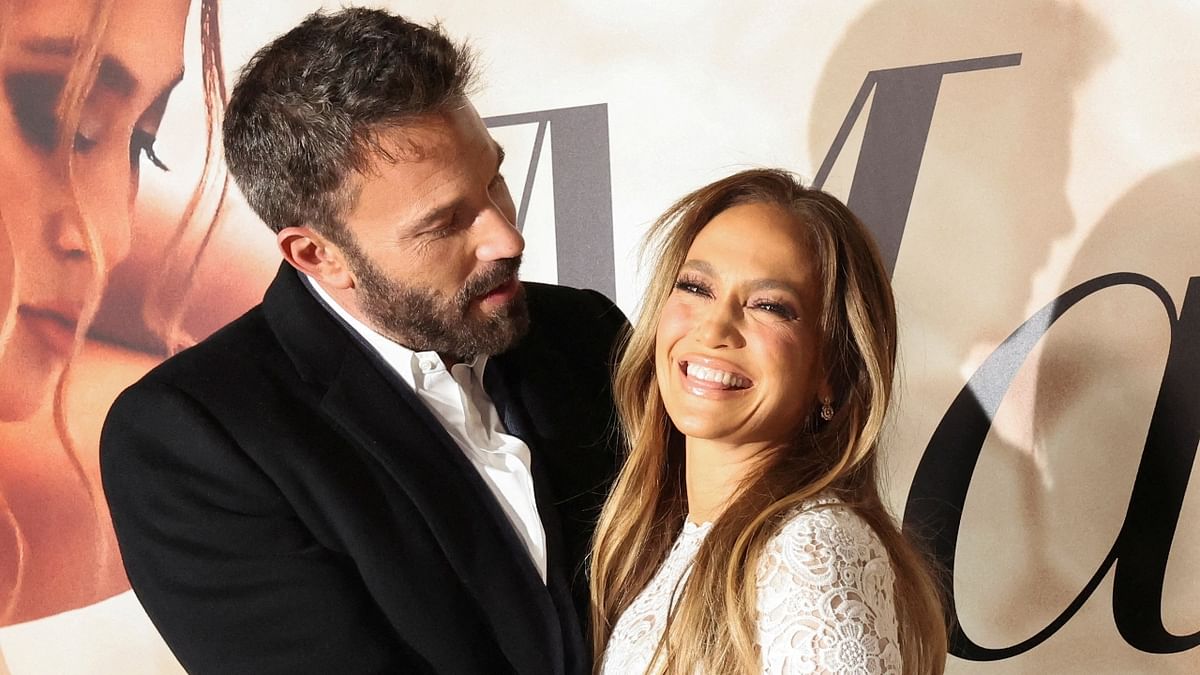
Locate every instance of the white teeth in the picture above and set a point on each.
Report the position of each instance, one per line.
(719, 376)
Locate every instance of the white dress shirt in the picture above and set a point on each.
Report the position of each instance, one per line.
(457, 398)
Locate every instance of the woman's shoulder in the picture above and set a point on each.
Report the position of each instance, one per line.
(825, 594)
(826, 523)
(825, 544)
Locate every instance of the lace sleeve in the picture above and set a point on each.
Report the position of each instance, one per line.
(825, 598)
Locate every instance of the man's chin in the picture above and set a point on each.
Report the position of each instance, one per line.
(500, 329)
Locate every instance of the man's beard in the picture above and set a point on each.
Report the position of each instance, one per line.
(426, 320)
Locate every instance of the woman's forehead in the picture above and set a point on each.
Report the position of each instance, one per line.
(143, 38)
(756, 238)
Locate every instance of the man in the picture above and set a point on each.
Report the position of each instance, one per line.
(393, 464)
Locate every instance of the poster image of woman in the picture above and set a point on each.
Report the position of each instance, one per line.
(84, 85)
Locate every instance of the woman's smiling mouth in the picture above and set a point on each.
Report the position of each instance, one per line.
(709, 378)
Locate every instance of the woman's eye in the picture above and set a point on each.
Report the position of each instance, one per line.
(33, 98)
(83, 144)
(778, 309)
(142, 142)
(692, 287)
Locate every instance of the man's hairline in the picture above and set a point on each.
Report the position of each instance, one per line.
(347, 195)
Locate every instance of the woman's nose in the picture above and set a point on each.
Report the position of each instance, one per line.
(72, 235)
(719, 328)
(66, 234)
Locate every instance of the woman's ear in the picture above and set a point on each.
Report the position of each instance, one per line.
(824, 391)
(314, 255)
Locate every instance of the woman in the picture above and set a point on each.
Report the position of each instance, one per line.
(85, 86)
(745, 532)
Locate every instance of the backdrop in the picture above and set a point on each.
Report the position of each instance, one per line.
(1029, 167)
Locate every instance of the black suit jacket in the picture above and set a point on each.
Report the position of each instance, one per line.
(285, 504)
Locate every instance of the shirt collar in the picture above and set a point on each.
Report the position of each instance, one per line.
(412, 366)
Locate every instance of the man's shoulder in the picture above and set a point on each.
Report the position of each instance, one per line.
(563, 307)
(546, 296)
(232, 352)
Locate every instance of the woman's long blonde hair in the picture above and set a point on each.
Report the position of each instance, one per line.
(713, 626)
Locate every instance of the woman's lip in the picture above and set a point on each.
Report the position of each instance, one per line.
(710, 362)
(52, 326)
(707, 388)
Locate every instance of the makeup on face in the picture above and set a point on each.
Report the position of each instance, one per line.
(737, 341)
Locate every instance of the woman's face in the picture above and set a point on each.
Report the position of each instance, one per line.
(736, 355)
(140, 60)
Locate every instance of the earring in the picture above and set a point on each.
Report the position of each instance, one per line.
(826, 408)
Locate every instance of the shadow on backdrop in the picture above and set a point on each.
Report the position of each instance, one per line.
(988, 207)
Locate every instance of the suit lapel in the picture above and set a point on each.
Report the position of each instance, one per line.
(505, 380)
(517, 422)
(380, 414)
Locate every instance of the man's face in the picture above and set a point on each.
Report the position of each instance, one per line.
(432, 247)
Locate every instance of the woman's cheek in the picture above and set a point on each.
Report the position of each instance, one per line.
(106, 174)
(671, 322)
(787, 345)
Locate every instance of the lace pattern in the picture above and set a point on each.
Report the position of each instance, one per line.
(825, 599)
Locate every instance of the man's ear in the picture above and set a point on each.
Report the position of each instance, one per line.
(305, 249)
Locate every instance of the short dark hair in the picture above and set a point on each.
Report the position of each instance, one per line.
(308, 108)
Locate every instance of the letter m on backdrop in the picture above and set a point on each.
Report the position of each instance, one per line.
(583, 214)
(894, 143)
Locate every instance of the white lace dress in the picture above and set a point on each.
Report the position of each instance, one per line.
(825, 599)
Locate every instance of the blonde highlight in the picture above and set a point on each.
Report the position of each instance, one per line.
(712, 627)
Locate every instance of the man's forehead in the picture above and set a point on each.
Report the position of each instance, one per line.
(446, 135)
(420, 170)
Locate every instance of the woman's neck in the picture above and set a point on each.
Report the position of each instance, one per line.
(713, 473)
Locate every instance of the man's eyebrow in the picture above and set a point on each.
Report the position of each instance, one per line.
(430, 218)
(113, 74)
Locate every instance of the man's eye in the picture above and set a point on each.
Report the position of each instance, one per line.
(33, 98)
(445, 228)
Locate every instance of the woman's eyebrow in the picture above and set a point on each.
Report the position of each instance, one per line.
(773, 285)
(49, 46)
(114, 75)
(701, 266)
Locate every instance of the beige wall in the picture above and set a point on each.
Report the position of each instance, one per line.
(1081, 161)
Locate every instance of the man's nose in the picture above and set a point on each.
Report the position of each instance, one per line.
(500, 237)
